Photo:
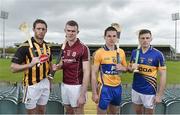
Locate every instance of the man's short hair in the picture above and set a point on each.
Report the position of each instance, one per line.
(72, 23)
(110, 28)
(144, 31)
(39, 21)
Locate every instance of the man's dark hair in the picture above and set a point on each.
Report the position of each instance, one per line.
(72, 23)
(144, 31)
(110, 28)
(39, 21)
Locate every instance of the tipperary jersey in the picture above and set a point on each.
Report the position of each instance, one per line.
(107, 59)
(150, 62)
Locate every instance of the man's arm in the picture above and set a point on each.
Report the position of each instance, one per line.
(85, 82)
(86, 76)
(162, 85)
(132, 67)
(21, 67)
(94, 74)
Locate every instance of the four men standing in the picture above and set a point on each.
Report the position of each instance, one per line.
(105, 80)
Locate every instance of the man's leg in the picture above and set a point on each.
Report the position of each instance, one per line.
(68, 109)
(41, 109)
(100, 111)
(43, 99)
(31, 111)
(149, 105)
(79, 110)
(114, 106)
(139, 109)
(114, 109)
(137, 102)
(149, 111)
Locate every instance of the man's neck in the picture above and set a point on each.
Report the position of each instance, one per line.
(145, 49)
(39, 41)
(71, 42)
(110, 47)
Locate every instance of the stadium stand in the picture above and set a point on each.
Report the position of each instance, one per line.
(11, 101)
(54, 105)
(169, 105)
(8, 98)
(167, 50)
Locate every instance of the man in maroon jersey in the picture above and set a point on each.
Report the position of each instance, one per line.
(76, 70)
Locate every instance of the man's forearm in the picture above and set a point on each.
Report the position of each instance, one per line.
(85, 82)
(162, 82)
(18, 68)
(162, 86)
(94, 84)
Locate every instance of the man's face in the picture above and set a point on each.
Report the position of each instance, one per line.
(40, 30)
(145, 40)
(71, 32)
(111, 38)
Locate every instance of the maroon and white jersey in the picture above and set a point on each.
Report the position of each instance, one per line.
(73, 57)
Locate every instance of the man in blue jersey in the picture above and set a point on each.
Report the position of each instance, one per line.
(145, 93)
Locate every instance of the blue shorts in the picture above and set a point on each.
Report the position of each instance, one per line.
(109, 95)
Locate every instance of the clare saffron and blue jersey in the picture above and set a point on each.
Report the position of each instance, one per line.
(145, 81)
(107, 59)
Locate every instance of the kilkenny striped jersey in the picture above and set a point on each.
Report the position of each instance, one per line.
(24, 55)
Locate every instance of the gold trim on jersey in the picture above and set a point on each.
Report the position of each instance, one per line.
(36, 74)
(103, 57)
(148, 70)
(26, 73)
(152, 81)
(23, 44)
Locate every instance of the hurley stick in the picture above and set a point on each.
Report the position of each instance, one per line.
(51, 75)
(25, 28)
(137, 57)
(118, 28)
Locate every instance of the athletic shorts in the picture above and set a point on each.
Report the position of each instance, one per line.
(70, 94)
(109, 95)
(37, 94)
(146, 100)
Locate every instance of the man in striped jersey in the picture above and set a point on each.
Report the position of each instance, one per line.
(36, 88)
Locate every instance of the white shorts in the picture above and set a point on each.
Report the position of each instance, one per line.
(146, 100)
(70, 94)
(36, 94)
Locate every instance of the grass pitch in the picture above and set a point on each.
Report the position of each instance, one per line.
(173, 73)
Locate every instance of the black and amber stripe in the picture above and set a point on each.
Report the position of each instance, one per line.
(152, 81)
(37, 73)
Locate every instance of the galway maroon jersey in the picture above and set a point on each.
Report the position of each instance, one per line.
(73, 57)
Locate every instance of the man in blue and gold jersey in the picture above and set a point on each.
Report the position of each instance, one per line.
(106, 82)
(36, 63)
(150, 61)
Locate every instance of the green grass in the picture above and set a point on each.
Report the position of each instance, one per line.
(173, 72)
(7, 75)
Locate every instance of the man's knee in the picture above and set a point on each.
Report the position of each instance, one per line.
(41, 109)
(139, 109)
(69, 109)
